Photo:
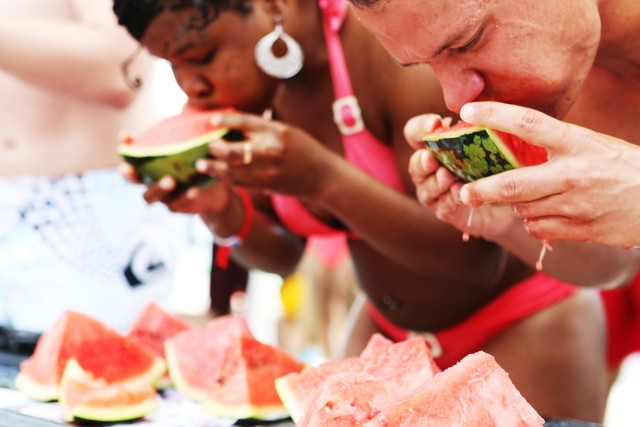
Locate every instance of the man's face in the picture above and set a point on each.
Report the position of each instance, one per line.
(534, 53)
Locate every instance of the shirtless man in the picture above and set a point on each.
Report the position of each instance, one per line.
(70, 234)
(523, 54)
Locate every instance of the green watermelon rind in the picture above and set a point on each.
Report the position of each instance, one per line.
(177, 160)
(178, 380)
(296, 412)
(472, 152)
(262, 412)
(103, 414)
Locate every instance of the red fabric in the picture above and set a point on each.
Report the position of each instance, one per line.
(622, 311)
(224, 252)
(520, 301)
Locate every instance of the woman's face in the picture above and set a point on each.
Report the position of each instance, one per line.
(214, 65)
(535, 53)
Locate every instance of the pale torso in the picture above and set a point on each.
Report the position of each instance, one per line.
(43, 132)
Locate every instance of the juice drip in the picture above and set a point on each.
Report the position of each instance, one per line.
(545, 247)
(465, 235)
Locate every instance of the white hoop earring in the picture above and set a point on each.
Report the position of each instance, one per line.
(281, 67)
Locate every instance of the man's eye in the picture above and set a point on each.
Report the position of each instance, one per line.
(474, 41)
(468, 46)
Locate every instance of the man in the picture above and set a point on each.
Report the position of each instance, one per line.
(578, 61)
(73, 233)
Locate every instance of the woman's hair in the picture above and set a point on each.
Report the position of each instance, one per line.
(136, 15)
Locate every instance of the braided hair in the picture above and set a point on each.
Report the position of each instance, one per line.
(136, 15)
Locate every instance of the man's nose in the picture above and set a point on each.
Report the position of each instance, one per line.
(460, 86)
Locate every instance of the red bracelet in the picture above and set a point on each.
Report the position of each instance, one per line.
(225, 244)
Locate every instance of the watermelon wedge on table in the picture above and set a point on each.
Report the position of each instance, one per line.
(245, 385)
(407, 363)
(474, 392)
(99, 349)
(473, 152)
(152, 328)
(173, 145)
(85, 397)
(195, 356)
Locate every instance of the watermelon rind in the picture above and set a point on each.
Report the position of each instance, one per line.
(35, 390)
(289, 400)
(263, 413)
(176, 160)
(113, 413)
(472, 152)
(179, 382)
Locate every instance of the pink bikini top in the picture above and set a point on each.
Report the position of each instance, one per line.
(361, 147)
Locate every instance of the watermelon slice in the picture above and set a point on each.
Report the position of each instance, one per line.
(152, 328)
(473, 152)
(173, 145)
(474, 392)
(86, 397)
(408, 363)
(99, 350)
(245, 385)
(352, 399)
(195, 356)
(376, 343)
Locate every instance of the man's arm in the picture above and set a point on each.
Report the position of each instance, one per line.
(81, 57)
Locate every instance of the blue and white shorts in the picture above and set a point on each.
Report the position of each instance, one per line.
(87, 242)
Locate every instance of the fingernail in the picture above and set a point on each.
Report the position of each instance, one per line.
(464, 195)
(201, 166)
(166, 183)
(467, 112)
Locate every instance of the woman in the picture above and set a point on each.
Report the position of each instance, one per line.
(307, 175)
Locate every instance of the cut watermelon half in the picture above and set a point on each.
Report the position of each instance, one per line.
(473, 152)
(408, 363)
(474, 392)
(86, 397)
(245, 384)
(172, 146)
(195, 356)
(99, 350)
(351, 399)
(152, 328)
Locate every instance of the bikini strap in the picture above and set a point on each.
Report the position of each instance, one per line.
(346, 110)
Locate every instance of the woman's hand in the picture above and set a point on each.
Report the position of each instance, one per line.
(276, 158)
(212, 199)
(588, 190)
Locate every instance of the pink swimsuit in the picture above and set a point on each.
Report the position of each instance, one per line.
(377, 159)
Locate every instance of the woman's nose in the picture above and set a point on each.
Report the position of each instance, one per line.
(194, 85)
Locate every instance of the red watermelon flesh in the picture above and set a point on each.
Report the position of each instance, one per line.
(179, 128)
(298, 390)
(97, 348)
(472, 152)
(86, 397)
(375, 344)
(474, 392)
(352, 399)
(195, 356)
(408, 363)
(244, 387)
(154, 326)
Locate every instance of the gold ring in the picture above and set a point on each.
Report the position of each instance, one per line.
(247, 153)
